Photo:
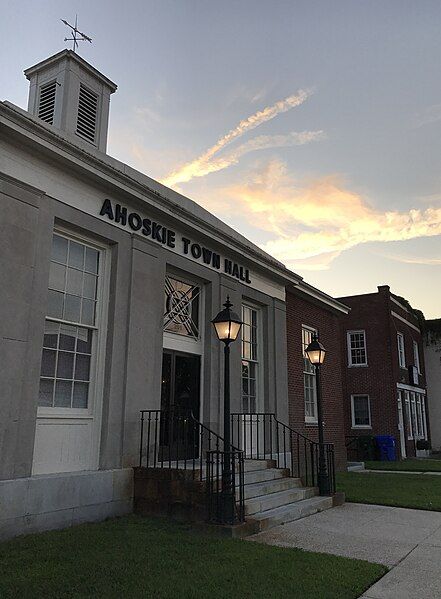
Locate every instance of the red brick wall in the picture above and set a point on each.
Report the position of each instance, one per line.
(372, 313)
(301, 311)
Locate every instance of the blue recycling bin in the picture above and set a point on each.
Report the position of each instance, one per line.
(386, 448)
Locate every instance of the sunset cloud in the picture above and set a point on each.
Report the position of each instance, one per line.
(200, 166)
(321, 218)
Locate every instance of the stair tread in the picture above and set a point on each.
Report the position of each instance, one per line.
(311, 502)
(281, 494)
(272, 486)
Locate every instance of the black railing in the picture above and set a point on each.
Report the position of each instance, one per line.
(262, 437)
(175, 440)
(225, 497)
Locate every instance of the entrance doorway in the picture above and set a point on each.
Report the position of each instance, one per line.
(180, 399)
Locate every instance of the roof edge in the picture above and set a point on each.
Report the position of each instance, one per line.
(70, 55)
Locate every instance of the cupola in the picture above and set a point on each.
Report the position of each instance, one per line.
(68, 93)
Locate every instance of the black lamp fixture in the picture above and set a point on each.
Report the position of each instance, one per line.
(227, 325)
(316, 354)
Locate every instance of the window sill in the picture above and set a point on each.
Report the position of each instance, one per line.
(358, 365)
(362, 427)
(311, 423)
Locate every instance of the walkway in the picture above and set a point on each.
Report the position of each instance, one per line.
(407, 541)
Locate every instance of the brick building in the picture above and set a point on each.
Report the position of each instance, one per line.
(384, 381)
(312, 311)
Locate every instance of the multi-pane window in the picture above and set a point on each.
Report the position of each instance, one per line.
(309, 378)
(70, 327)
(357, 354)
(408, 415)
(414, 415)
(361, 413)
(250, 358)
(401, 354)
(416, 356)
(181, 307)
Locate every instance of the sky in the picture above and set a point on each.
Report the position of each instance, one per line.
(312, 127)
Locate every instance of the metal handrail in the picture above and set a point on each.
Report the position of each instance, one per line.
(174, 439)
(263, 436)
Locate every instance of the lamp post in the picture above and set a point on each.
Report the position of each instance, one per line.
(227, 325)
(316, 355)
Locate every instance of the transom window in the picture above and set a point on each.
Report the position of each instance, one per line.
(309, 378)
(250, 358)
(361, 411)
(401, 352)
(70, 327)
(357, 354)
(181, 307)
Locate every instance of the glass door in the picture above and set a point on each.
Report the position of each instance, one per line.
(180, 398)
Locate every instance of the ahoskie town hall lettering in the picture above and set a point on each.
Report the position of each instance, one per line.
(167, 237)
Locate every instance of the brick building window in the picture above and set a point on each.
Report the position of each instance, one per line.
(361, 411)
(357, 354)
(416, 356)
(408, 415)
(401, 353)
(309, 380)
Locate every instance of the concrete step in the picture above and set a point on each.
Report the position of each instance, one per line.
(275, 500)
(271, 486)
(252, 465)
(258, 476)
(355, 466)
(294, 511)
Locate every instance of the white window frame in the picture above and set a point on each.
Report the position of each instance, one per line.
(309, 419)
(416, 356)
(401, 350)
(348, 343)
(96, 385)
(361, 426)
(409, 422)
(259, 360)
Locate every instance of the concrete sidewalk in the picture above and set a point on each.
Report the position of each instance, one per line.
(408, 541)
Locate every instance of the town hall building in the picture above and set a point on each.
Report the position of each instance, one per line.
(109, 283)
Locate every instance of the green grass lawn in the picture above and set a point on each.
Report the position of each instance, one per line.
(154, 558)
(419, 491)
(422, 465)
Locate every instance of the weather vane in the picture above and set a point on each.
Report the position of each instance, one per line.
(77, 36)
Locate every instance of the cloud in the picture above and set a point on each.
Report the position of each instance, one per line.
(198, 167)
(414, 260)
(262, 142)
(321, 218)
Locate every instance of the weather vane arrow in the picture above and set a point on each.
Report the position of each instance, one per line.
(77, 35)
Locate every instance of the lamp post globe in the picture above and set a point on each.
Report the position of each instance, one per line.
(227, 325)
(316, 354)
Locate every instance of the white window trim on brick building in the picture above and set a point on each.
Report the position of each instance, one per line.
(401, 350)
(353, 415)
(416, 356)
(352, 349)
(309, 378)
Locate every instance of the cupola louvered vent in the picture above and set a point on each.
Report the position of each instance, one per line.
(87, 114)
(46, 106)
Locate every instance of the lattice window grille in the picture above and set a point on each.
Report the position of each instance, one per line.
(181, 308)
